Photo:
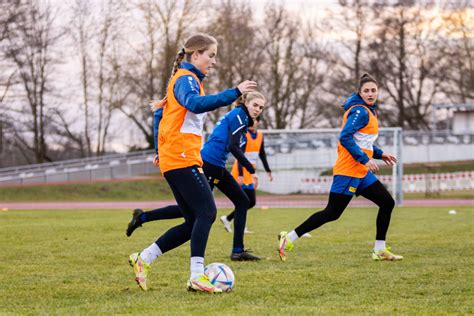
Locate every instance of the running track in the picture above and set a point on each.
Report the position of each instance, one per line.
(263, 202)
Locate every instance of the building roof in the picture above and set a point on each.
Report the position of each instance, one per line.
(457, 107)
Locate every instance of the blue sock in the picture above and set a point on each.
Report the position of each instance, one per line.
(143, 218)
(237, 250)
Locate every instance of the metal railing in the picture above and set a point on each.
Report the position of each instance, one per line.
(281, 144)
(87, 169)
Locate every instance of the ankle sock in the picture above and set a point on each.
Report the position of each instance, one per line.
(293, 236)
(379, 245)
(197, 266)
(151, 253)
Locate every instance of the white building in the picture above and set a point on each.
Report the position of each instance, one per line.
(460, 117)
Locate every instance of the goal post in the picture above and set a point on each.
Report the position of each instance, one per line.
(301, 160)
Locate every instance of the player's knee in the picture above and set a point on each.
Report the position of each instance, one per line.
(189, 222)
(389, 204)
(243, 203)
(212, 216)
(332, 214)
(251, 204)
(210, 213)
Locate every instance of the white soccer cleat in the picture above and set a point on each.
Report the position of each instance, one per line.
(247, 231)
(307, 235)
(226, 223)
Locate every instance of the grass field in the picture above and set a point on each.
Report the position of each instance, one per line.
(420, 168)
(125, 190)
(153, 189)
(75, 262)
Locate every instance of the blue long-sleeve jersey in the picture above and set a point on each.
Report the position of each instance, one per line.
(356, 121)
(227, 137)
(186, 91)
(157, 116)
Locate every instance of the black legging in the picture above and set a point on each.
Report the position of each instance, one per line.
(167, 212)
(251, 195)
(195, 200)
(242, 200)
(337, 203)
(223, 180)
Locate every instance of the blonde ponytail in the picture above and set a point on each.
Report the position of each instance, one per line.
(177, 62)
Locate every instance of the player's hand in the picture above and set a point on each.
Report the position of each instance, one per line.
(372, 166)
(247, 86)
(255, 181)
(270, 177)
(156, 161)
(389, 159)
(157, 104)
(240, 180)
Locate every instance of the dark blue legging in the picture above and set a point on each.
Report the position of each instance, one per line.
(223, 180)
(196, 204)
(251, 195)
(167, 212)
(337, 203)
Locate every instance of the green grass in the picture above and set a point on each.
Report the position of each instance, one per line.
(461, 194)
(420, 168)
(130, 190)
(154, 189)
(75, 262)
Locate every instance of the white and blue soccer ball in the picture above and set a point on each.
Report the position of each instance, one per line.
(221, 276)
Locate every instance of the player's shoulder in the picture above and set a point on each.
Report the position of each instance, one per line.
(359, 110)
(235, 115)
(189, 79)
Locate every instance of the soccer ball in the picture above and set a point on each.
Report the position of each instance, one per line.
(220, 275)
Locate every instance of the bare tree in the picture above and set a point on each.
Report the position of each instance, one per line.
(347, 57)
(458, 80)
(109, 72)
(239, 55)
(308, 89)
(82, 25)
(293, 67)
(353, 19)
(29, 42)
(9, 13)
(405, 61)
(165, 24)
(280, 35)
(96, 34)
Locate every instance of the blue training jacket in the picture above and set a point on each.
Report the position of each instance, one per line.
(356, 121)
(186, 91)
(216, 149)
(157, 116)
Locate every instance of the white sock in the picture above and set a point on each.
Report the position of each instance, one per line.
(379, 245)
(293, 236)
(197, 266)
(151, 253)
